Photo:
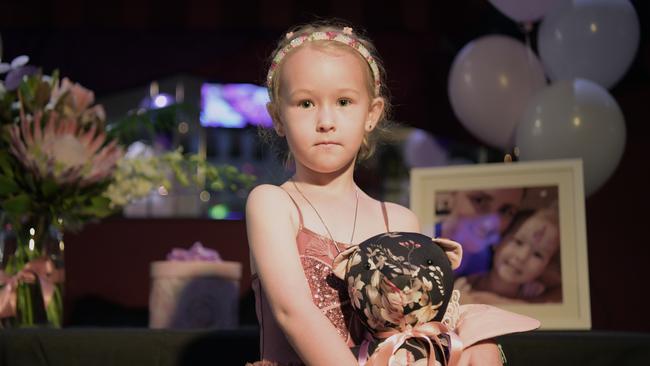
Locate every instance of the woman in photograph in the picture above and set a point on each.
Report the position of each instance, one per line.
(529, 251)
(477, 219)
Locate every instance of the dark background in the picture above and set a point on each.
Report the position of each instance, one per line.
(109, 46)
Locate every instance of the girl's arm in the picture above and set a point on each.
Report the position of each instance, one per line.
(272, 222)
(484, 353)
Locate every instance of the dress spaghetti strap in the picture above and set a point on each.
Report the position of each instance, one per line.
(385, 213)
(297, 207)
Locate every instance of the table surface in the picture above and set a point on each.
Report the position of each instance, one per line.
(142, 346)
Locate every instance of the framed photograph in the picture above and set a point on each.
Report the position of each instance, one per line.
(522, 229)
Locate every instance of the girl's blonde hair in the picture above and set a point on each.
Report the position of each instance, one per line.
(381, 130)
(549, 213)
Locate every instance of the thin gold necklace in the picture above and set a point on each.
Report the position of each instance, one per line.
(354, 225)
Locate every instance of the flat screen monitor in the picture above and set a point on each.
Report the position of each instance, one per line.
(234, 105)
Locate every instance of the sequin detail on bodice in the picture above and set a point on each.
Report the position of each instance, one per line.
(329, 293)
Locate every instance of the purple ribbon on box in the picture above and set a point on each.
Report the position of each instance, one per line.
(197, 252)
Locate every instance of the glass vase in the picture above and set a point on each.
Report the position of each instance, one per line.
(31, 274)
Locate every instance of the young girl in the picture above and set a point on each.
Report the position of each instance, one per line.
(526, 254)
(328, 102)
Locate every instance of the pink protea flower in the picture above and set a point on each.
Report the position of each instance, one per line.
(62, 149)
(74, 101)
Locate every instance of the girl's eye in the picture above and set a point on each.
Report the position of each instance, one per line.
(538, 255)
(305, 104)
(508, 211)
(481, 203)
(344, 102)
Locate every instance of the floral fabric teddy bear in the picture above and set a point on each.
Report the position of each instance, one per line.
(401, 287)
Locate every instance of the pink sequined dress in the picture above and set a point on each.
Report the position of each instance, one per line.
(329, 294)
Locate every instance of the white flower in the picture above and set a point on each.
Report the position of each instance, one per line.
(138, 150)
(426, 284)
(137, 175)
(373, 316)
(375, 278)
(355, 285)
(426, 313)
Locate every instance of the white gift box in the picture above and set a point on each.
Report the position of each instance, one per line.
(194, 294)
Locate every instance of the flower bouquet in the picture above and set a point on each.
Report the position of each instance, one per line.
(60, 168)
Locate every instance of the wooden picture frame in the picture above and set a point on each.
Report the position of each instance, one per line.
(440, 197)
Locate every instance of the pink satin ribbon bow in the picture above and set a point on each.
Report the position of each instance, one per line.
(394, 339)
(40, 268)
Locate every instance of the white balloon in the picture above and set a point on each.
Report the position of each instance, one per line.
(421, 150)
(590, 39)
(574, 119)
(524, 10)
(490, 82)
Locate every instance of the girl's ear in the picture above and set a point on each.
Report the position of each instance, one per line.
(340, 264)
(375, 111)
(275, 117)
(453, 250)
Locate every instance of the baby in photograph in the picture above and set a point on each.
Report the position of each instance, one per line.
(525, 267)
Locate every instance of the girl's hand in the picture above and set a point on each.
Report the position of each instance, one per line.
(470, 296)
(467, 293)
(532, 289)
(462, 285)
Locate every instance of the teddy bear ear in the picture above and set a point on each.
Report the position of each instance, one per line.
(453, 250)
(340, 264)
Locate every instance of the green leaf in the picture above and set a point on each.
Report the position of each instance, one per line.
(55, 77)
(217, 186)
(99, 207)
(49, 187)
(41, 94)
(17, 204)
(26, 92)
(29, 179)
(5, 164)
(7, 185)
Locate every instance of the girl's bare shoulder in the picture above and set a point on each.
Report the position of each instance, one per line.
(401, 218)
(264, 195)
(267, 201)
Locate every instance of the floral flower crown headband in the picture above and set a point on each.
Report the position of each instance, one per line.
(344, 37)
